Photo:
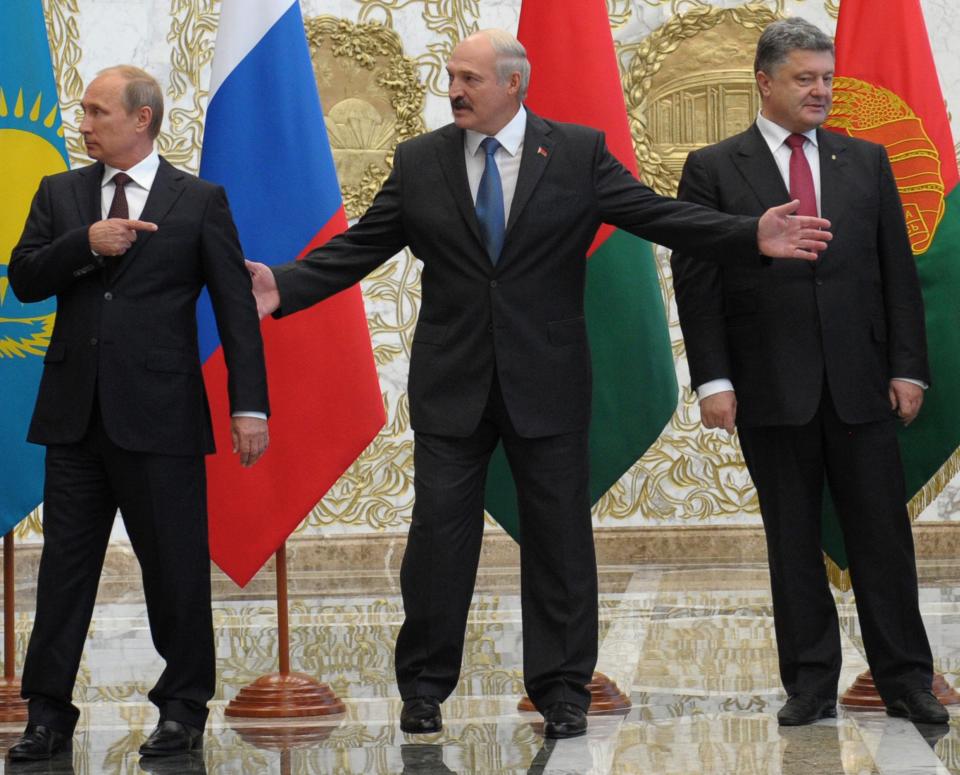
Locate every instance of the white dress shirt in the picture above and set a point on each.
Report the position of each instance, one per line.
(507, 157)
(141, 175)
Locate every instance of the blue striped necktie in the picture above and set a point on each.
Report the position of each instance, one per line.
(490, 202)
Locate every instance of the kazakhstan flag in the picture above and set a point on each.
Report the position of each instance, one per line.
(31, 146)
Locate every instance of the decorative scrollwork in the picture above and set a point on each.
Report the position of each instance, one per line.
(193, 26)
(63, 32)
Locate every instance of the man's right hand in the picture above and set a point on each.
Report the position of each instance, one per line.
(719, 410)
(265, 289)
(114, 236)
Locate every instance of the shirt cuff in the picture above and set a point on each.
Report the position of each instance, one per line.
(258, 415)
(712, 387)
(918, 382)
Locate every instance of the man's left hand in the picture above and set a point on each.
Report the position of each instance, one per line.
(250, 438)
(782, 235)
(905, 399)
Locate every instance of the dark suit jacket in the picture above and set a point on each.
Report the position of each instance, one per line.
(522, 319)
(133, 337)
(776, 328)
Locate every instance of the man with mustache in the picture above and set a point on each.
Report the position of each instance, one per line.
(813, 364)
(501, 207)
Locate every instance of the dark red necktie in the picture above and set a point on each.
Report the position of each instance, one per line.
(801, 178)
(118, 207)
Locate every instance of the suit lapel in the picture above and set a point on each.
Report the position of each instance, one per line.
(450, 154)
(537, 148)
(833, 176)
(166, 189)
(760, 172)
(86, 187)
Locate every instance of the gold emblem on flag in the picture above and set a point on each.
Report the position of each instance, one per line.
(879, 115)
(26, 155)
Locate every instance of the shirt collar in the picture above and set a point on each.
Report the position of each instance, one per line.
(142, 173)
(510, 137)
(776, 135)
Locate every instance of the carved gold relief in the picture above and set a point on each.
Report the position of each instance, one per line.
(193, 25)
(372, 100)
(688, 71)
(63, 33)
(450, 20)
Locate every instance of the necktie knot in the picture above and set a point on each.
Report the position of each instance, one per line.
(490, 145)
(795, 141)
(118, 207)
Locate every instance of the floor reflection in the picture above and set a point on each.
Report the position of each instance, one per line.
(692, 647)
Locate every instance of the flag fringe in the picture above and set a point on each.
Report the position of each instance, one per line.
(936, 484)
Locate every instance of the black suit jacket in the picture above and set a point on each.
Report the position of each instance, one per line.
(130, 334)
(523, 318)
(777, 328)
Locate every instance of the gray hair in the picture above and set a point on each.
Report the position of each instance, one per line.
(786, 35)
(141, 90)
(511, 58)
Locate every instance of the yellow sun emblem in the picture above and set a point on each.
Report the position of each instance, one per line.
(27, 127)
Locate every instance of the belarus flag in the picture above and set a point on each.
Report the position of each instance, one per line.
(576, 79)
(886, 90)
(265, 142)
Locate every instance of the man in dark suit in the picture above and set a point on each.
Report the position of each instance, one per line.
(501, 207)
(813, 363)
(127, 245)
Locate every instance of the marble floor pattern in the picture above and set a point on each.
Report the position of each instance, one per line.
(692, 645)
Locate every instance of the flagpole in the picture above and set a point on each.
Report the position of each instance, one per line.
(284, 694)
(283, 611)
(12, 706)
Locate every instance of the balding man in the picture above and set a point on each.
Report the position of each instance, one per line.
(126, 245)
(501, 207)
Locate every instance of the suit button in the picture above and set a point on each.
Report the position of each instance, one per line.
(493, 283)
(93, 340)
(490, 328)
(819, 281)
(108, 296)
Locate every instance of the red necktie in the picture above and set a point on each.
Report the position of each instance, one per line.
(118, 207)
(801, 178)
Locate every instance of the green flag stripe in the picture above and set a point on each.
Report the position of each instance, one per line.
(634, 380)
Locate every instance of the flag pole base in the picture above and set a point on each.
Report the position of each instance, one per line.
(12, 706)
(284, 695)
(863, 693)
(605, 697)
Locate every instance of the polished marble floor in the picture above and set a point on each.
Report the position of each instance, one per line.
(691, 645)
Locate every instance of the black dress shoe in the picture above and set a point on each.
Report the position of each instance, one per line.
(39, 742)
(421, 716)
(920, 706)
(564, 719)
(805, 708)
(170, 738)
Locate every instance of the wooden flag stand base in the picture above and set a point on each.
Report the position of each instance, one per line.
(864, 695)
(605, 697)
(284, 694)
(12, 706)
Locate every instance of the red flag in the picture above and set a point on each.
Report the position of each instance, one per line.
(265, 142)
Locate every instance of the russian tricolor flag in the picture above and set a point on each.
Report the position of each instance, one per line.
(266, 143)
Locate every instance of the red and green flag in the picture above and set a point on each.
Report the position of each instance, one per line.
(886, 91)
(576, 79)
